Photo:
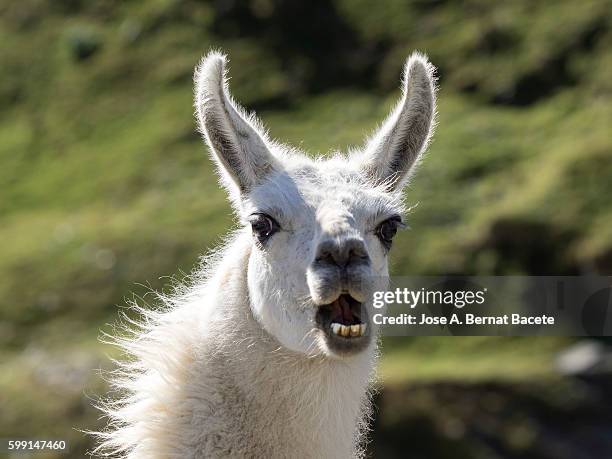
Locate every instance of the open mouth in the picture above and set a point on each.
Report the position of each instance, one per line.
(344, 318)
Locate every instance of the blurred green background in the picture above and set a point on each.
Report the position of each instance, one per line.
(106, 191)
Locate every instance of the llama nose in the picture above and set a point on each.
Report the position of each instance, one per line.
(342, 253)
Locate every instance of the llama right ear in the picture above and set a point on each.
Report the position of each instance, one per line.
(394, 150)
(237, 144)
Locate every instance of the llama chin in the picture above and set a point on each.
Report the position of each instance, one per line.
(271, 349)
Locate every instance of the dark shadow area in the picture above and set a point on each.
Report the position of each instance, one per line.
(315, 44)
(551, 74)
(528, 247)
(495, 420)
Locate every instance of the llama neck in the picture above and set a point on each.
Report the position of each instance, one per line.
(208, 381)
(316, 404)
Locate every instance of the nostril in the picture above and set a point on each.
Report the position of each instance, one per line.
(326, 257)
(356, 249)
(358, 254)
(342, 254)
(357, 257)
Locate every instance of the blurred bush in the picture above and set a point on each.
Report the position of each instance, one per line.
(83, 42)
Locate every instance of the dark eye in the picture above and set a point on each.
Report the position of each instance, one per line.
(263, 226)
(388, 229)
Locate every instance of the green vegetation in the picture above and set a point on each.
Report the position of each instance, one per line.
(106, 187)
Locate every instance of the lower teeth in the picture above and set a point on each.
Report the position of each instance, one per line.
(347, 331)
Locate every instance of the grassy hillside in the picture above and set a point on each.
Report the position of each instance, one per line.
(106, 189)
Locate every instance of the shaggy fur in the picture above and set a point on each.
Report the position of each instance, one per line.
(233, 364)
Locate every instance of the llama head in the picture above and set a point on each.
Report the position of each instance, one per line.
(321, 229)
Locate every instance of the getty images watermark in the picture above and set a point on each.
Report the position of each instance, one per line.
(495, 306)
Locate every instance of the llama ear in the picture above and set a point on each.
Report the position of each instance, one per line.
(392, 153)
(237, 143)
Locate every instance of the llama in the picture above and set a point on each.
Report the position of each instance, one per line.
(271, 350)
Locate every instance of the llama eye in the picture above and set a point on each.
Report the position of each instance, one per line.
(263, 226)
(388, 229)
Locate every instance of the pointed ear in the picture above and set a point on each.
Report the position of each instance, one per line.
(394, 150)
(237, 143)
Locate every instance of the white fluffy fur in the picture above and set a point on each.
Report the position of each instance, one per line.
(232, 365)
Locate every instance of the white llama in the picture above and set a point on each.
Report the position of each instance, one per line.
(270, 352)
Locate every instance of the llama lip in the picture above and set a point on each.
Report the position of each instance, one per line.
(343, 318)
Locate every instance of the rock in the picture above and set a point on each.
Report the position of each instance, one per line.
(586, 357)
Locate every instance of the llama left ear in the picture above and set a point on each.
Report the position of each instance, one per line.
(236, 141)
(393, 152)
